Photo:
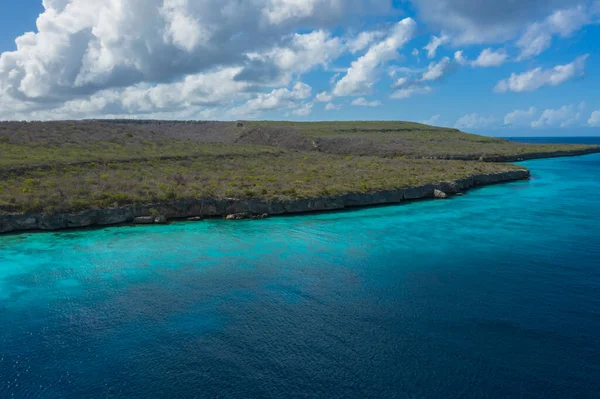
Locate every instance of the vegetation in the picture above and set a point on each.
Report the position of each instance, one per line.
(413, 140)
(24, 144)
(71, 166)
(283, 175)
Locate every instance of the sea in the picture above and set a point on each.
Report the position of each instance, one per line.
(495, 294)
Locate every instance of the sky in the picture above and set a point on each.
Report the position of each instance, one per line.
(499, 67)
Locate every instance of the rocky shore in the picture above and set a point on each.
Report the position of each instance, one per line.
(526, 156)
(541, 155)
(199, 209)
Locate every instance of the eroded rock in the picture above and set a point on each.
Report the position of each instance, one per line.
(440, 194)
(144, 220)
(238, 216)
(160, 219)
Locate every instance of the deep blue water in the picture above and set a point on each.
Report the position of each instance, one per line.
(495, 294)
(557, 140)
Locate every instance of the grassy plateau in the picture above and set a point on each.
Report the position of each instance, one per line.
(53, 167)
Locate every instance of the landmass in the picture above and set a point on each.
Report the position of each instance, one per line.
(68, 174)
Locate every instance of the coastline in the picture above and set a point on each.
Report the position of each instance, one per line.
(210, 208)
(542, 155)
(526, 156)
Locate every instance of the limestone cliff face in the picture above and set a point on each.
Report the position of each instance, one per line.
(223, 207)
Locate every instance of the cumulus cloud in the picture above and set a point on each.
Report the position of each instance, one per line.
(494, 21)
(362, 102)
(361, 75)
(460, 59)
(565, 116)
(432, 121)
(474, 121)
(114, 55)
(483, 21)
(435, 43)
(363, 40)
(417, 82)
(410, 90)
(520, 117)
(491, 58)
(187, 99)
(594, 119)
(298, 54)
(536, 78)
(276, 99)
(303, 110)
(84, 47)
(333, 107)
(437, 70)
(283, 11)
(563, 22)
(324, 97)
(487, 58)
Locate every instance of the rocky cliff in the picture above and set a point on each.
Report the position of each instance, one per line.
(223, 207)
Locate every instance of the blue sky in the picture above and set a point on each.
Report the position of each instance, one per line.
(493, 67)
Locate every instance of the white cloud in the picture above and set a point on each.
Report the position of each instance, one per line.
(474, 121)
(563, 22)
(410, 91)
(460, 58)
(182, 29)
(333, 107)
(435, 43)
(401, 82)
(334, 78)
(491, 58)
(362, 102)
(538, 77)
(274, 100)
(361, 75)
(410, 86)
(520, 117)
(483, 21)
(436, 71)
(415, 53)
(126, 54)
(594, 119)
(487, 58)
(432, 121)
(363, 40)
(324, 97)
(280, 12)
(303, 110)
(300, 53)
(564, 116)
(189, 97)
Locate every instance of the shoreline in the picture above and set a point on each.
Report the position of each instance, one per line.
(527, 156)
(541, 155)
(212, 208)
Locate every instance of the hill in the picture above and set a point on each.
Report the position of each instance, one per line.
(73, 166)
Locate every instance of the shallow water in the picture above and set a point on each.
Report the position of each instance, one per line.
(493, 294)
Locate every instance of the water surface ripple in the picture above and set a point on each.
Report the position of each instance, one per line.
(495, 294)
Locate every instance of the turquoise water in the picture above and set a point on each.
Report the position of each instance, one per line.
(493, 294)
